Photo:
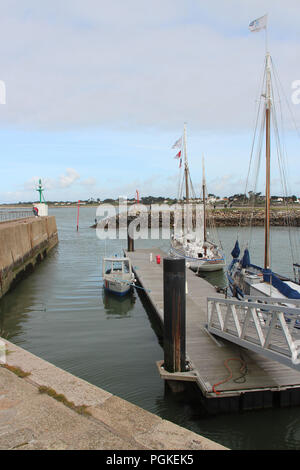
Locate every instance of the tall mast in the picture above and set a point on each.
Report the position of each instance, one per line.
(204, 200)
(186, 168)
(204, 205)
(268, 158)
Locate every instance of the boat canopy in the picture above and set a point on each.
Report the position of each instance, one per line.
(111, 265)
(283, 287)
(246, 259)
(236, 250)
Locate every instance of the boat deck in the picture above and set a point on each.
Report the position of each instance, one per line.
(208, 354)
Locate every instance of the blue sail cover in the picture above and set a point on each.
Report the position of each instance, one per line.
(236, 250)
(283, 288)
(246, 259)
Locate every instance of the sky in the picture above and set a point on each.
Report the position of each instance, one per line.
(97, 92)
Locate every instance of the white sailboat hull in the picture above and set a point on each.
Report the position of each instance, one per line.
(199, 264)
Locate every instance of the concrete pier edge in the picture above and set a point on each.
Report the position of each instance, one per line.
(113, 423)
(23, 244)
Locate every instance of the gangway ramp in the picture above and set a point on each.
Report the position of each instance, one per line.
(265, 326)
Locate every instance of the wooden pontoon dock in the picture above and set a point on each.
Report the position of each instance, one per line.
(263, 383)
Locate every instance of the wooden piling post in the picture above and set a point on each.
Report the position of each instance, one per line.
(174, 315)
(130, 241)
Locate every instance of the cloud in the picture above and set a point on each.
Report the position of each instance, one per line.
(71, 176)
(66, 180)
(136, 69)
(133, 64)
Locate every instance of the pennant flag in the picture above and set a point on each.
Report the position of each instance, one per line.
(177, 144)
(178, 155)
(259, 24)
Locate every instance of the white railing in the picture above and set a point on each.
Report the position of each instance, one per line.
(263, 326)
(6, 214)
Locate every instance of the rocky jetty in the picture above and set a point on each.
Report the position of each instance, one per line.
(231, 217)
(255, 218)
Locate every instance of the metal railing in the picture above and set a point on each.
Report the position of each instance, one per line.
(7, 214)
(263, 326)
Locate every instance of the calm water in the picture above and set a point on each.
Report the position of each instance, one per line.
(61, 314)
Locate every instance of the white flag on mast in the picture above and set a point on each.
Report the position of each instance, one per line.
(178, 144)
(259, 24)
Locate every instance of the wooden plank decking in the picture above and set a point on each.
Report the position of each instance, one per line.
(206, 353)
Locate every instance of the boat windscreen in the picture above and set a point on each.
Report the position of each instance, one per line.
(117, 266)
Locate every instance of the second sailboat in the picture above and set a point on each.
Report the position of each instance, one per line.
(200, 253)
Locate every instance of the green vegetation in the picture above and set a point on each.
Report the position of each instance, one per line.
(16, 370)
(82, 409)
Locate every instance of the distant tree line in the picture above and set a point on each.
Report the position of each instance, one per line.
(238, 198)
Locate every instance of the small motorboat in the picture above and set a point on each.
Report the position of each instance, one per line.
(118, 277)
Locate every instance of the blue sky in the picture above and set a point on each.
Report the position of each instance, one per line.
(97, 93)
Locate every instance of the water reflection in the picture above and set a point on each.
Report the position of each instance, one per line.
(118, 307)
(14, 314)
(216, 278)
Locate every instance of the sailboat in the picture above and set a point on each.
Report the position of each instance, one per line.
(200, 253)
(244, 277)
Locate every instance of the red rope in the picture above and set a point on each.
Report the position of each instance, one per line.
(242, 368)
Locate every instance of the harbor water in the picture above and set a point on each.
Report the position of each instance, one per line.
(62, 314)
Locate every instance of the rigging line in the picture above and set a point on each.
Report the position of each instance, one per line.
(181, 187)
(253, 143)
(281, 151)
(280, 156)
(276, 75)
(289, 210)
(192, 187)
(279, 146)
(179, 184)
(290, 216)
(256, 172)
(259, 147)
(212, 227)
(279, 85)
